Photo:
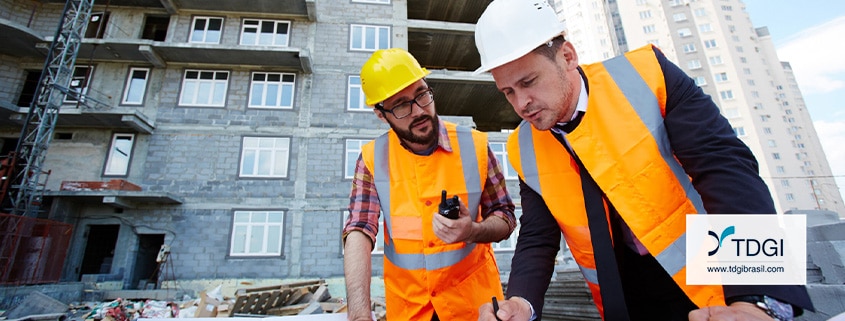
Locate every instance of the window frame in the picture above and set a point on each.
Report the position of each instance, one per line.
(205, 30)
(257, 155)
(199, 81)
(129, 84)
(371, 1)
(350, 88)
(258, 32)
(363, 37)
(282, 85)
(83, 89)
(346, 156)
(266, 226)
(110, 156)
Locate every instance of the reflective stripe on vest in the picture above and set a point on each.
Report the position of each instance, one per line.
(644, 102)
(471, 177)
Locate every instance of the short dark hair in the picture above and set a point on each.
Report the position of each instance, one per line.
(549, 49)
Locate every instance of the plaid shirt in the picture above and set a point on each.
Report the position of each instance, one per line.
(364, 206)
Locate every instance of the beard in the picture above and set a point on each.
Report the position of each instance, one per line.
(407, 134)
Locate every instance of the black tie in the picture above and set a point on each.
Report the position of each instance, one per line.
(607, 269)
(570, 126)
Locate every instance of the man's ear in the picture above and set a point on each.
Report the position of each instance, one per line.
(380, 115)
(569, 54)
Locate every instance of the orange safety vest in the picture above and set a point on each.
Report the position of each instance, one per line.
(623, 144)
(422, 274)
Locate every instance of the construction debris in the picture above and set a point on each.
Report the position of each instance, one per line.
(299, 298)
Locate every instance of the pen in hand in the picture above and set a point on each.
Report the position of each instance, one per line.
(496, 308)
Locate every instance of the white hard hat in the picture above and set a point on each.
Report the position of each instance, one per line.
(509, 29)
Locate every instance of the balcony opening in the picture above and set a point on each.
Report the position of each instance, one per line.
(97, 25)
(99, 249)
(155, 28)
(30, 85)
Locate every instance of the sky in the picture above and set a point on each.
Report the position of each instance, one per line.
(809, 35)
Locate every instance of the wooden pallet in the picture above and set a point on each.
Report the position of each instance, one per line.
(283, 299)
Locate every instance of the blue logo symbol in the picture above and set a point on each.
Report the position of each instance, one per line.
(719, 239)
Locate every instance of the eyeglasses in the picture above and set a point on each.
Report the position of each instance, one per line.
(404, 109)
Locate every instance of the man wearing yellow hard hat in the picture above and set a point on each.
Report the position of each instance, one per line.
(435, 267)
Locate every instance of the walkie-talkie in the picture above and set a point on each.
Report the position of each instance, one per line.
(449, 207)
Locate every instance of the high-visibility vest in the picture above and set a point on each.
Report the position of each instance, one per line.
(422, 274)
(623, 144)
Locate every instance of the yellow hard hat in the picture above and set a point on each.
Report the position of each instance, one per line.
(387, 72)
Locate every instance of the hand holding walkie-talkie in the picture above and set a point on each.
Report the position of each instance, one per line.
(449, 207)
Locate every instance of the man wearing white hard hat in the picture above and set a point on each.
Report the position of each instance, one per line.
(614, 155)
(435, 267)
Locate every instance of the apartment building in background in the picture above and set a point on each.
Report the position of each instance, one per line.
(715, 43)
(237, 124)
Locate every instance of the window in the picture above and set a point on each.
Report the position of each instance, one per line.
(79, 83)
(715, 60)
(641, 2)
(728, 17)
(265, 32)
(649, 29)
(136, 86)
(689, 47)
(727, 8)
(369, 38)
(751, 82)
(694, 64)
(271, 90)
(509, 244)
(746, 71)
(776, 155)
(740, 131)
(265, 157)
(679, 17)
(257, 233)
(781, 170)
(764, 118)
(373, 1)
(706, 27)
(790, 197)
(120, 153)
(772, 143)
(731, 112)
(355, 99)
(767, 130)
(784, 183)
(726, 94)
(155, 28)
(645, 14)
(758, 106)
(30, 84)
(502, 156)
(700, 12)
(710, 43)
(735, 38)
(755, 94)
(353, 150)
(721, 76)
(700, 80)
(206, 30)
(684, 32)
(204, 88)
(97, 25)
(739, 49)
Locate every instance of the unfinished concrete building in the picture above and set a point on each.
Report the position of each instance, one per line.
(226, 130)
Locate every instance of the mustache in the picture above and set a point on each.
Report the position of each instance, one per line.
(421, 119)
